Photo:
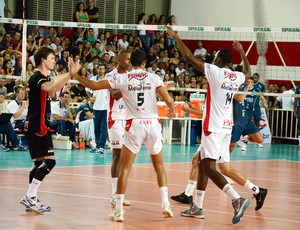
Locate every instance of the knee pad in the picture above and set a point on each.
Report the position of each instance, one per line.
(35, 166)
(45, 169)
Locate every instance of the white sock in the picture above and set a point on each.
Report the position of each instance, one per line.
(190, 188)
(252, 187)
(33, 187)
(229, 191)
(164, 194)
(114, 182)
(119, 201)
(199, 198)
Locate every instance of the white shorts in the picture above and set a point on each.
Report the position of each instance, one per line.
(215, 146)
(116, 130)
(143, 131)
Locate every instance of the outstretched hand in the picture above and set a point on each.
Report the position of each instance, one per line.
(237, 46)
(170, 32)
(73, 67)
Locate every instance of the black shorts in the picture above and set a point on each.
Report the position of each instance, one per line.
(39, 146)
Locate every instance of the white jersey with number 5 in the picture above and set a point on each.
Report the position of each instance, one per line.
(223, 83)
(138, 89)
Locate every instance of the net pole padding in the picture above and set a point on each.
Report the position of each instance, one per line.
(24, 52)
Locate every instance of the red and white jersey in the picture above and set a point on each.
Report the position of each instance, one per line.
(223, 83)
(116, 108)
(138, 89)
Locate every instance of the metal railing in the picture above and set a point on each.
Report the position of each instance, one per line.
(283, 124)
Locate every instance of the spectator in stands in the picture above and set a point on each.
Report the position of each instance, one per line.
(122, 42)
(210, 56)
(193, 83)
(100, 113)
(80, 14)
(162, 57)
(7, 129)
(84, 121)
(142, 33)
(160, 44)
(79, 92)
(162, 22)
(92, 64)
(151, 33)
(170, 43)
(108, 50)
(190, 70)
(90, 37)
(287, 103)
(8, 68)
(107, 36)
(63, 61)
(200, 52)
(114, 42)
(92, 11)
(179, 82)
(62, 118)
(3, 89)
(180, 69)
(86, 55)
(102, 41)
(153, 68)
(175, 59)
(56, 46)
(29, 70)
(151, 57)
(17, 41)
(19, 109)
(31, 46)
(96, 51)
(181, 96)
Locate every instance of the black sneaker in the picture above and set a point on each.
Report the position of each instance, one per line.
(260, 198)
(182, 198)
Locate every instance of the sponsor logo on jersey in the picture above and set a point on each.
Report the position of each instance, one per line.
(230, 76)
(138, 76)
(230, 87)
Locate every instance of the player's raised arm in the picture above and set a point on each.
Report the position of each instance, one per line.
(94, 85)
(185, 51)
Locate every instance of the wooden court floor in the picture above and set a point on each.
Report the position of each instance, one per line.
(79, 188)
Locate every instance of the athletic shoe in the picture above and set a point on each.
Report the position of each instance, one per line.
(100, 150)
(260, 145)
(166, 210)
(118, 216)
(46, 208)
(193, 211)
(113, 201)
(244, 147)
(239, 205)
(182, 198)
(19, 148)
(240, 143)
(3, 148)
(260, 198)
(32, 204)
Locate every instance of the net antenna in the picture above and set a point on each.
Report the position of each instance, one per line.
(260, 20)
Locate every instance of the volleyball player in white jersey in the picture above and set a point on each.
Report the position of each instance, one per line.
(116, 119)
(139, 89)
(217, 121)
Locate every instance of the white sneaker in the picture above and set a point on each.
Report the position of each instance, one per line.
(118, 216)
(260, 145)
(113, 201)
(166, 210)
(244, 147)
(240, 143)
